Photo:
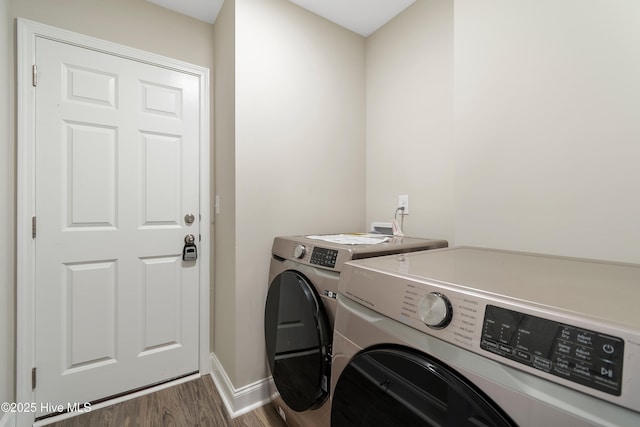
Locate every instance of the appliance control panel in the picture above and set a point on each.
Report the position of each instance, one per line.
(324, 257)
(576, 354)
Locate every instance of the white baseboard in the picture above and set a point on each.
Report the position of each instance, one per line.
(243, 400)
(8, 419)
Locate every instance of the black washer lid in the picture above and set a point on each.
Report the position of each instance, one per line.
(397, 386)
(298, 341)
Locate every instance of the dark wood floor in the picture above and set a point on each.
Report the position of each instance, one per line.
(194, 403)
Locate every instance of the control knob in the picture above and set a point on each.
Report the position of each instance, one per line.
(299, 251)
(435, 310)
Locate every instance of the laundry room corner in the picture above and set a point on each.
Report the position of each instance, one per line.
(409, 122)
(290, 134)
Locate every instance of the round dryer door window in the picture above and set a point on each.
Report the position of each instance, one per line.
(298, 340)
(398, 386)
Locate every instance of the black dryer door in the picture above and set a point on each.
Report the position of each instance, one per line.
(298, 341)
(397, 386)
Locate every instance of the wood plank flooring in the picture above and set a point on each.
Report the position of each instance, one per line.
(194, 403)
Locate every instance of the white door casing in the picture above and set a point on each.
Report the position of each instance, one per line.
(105, 302)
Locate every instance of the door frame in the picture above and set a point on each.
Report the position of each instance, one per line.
(27, 33)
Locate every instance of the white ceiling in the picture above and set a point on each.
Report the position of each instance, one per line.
(360, 16)
(204, 10)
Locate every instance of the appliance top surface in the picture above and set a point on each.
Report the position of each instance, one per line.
(601, 289)
(392, 246)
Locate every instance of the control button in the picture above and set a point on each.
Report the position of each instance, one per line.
(584, 370)
(606, 372)
(489, 345)
(608, 348)
(605, 369)
(542, 364)
(562, 363)
(522, 355)
(435, 310)
(583, 353)
(563, 348)
(505, 349)
(566, 333)
(585, 338)
(299, 251)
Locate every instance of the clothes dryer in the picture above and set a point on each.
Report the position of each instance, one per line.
(469, 336)
(299, 314)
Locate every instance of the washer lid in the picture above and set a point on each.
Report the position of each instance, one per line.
(298, 341)
(398, 386)
(604, 290)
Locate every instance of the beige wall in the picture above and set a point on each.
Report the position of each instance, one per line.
(410, 119)
(299, 148)
(547, 110)
(511, 125)
(7, 213)
(134, 23)
(223, 305)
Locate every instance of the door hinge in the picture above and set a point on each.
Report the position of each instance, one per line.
(33, 227)
(34, 72)
(33, 378)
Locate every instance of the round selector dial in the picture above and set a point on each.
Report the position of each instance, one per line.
(435, 310)
(299, 251)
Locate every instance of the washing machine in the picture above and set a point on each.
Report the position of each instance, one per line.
(479, 337)
(299, 314)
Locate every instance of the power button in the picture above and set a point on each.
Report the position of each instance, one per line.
(608, 349)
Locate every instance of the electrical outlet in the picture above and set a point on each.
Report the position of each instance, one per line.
(403, 201)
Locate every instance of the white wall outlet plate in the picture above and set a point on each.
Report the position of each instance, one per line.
(403, 201)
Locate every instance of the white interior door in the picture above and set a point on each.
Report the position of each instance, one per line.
(117, 170)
